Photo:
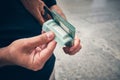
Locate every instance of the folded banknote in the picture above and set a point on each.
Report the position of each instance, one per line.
(64, 31)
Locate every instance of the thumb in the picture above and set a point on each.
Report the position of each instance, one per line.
(41, 39)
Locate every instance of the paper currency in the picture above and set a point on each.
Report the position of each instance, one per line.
(64, 31)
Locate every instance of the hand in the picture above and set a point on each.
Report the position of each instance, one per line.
(31, 52)
(74, 49)
(36, 8)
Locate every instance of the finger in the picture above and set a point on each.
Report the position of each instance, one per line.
(39, 16)
(48, 51)
(40, 40)
(75, 51)
(43, 46)
(41, 11)
(76, 44)
(66, 50)
(38, 49)
(75, 48)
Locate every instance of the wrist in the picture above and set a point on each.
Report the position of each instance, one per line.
(58, 10)
(4, 56)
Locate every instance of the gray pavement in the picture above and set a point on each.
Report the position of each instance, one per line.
(97, 24)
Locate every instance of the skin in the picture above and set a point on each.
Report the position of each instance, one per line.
(32, 53)
(28, 52)
(35, 7)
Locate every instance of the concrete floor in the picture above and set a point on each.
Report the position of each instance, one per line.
(97, 24)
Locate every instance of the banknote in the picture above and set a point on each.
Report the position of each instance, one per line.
(64, 31)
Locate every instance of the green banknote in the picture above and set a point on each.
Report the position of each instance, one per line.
(64, 31)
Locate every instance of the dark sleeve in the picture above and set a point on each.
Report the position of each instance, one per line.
(50, 3)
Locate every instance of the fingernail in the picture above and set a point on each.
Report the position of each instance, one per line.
(50, 35)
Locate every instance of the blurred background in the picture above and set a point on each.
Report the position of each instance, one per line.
(97, 24)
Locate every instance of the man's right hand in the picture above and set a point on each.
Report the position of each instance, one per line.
(31, 53)
(36, 8)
